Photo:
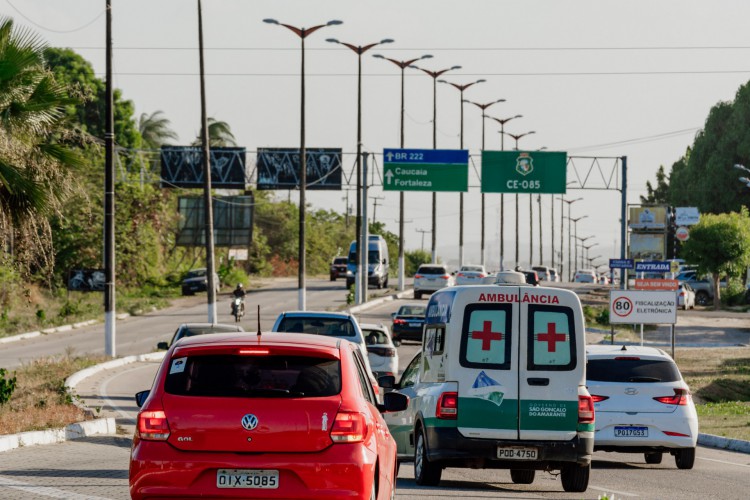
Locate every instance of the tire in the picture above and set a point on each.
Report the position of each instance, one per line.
(701, 298)
(417, 295)
(426, 473)
(575, 478)
(385, 283)
(520, 476)
(380, 284)
(653, 458)
(333, 277)
(685, 458)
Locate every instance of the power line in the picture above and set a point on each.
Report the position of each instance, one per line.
(83, 26)
(433, 49)
(472, 75)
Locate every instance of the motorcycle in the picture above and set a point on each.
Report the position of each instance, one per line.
(238, 308)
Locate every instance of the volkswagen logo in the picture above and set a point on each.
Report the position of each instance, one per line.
(630, 391)
(249, 422)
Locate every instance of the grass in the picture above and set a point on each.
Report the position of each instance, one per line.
(40, 401)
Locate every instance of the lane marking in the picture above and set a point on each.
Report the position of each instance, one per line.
(723, 462)
(613, 492)
(46, 491)
(105, 396)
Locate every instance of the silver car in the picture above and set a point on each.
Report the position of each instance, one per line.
(431, 278)
(471, 275)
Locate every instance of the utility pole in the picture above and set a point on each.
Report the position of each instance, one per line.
(423, 231)
(375, 207)
(541, 242)
(109, 201)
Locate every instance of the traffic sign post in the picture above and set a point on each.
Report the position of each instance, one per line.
(524, 171)
(621, 263)
(426, 170)
(642, 307)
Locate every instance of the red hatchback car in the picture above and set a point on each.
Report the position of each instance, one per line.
(263, 416)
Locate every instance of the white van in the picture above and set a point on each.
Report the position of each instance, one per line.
(378, 262)
(500, 383)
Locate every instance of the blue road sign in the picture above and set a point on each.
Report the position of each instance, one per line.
(425, 170)
(621, 263)
(655, 266)
(460, 156)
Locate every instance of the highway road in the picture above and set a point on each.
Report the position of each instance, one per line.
(97, 467)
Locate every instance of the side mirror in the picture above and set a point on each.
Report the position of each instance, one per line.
(384, 261)
(140, 397)
(394, 401)
(162, 346)
(393, 315)
(387, 381)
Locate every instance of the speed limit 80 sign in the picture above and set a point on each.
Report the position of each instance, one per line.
(642, 306)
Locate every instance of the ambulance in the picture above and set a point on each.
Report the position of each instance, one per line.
(499, 384)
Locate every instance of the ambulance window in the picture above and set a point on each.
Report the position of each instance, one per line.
(552, 340)
(434, 344)
(485, 339)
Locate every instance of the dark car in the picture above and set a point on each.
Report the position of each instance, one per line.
(196, 280)
(192, 329)
(532, 278)
(408, 322)
(338, 267)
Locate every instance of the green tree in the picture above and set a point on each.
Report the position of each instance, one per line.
(219, 134)
(720, 245)
(414, 259)
(155, 130)
(659, 194)
(36, 160)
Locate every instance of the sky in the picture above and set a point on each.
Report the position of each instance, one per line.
(597, 79)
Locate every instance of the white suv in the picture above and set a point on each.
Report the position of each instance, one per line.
(431, 278)
(642, 403)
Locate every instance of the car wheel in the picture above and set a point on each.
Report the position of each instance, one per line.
(385, 283)
(685, 458)
(333, 278)
(426, 473)
(575, 478)
(653, 458)
(380, 284)
(702, 298)
(417, 295)
(521, 476)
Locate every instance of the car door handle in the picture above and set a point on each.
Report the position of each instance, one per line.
(538, 381)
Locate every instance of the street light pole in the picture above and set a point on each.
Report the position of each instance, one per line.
(570, 242)
(483, 107)
(502, 123)
(401, 261)
(361, 276)
(562, 231)
(516, 137)
(581, 240)
(302, 33)
(435, 75)
(461, 89)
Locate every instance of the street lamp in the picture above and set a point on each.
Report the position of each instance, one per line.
(483, 107)
(586, 247)
(516, 137)
(461, 89)
(302, 33)
(403, 65)
(570, 243)
(562, 229)
(582, 241)
(361, 287)
(502, 122)
(434, 75)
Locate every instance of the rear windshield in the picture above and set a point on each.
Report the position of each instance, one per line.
(476, 269)
(331, 327)
(432, 270)
(632, 370)
(341, 260)
(412, 311)
(251, 376)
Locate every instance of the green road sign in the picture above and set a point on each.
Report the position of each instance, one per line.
(425, 170)
(523, 171)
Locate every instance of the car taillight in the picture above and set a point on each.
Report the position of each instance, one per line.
(446, 276)
(676, 434)
(460, 275)
(482, 275)
(447, 406)
(597, 399)
(681, 398)
(627, 358)
(398, 321)
(386, 352)
(153, 425)
(349, 427)
(585, 410)
(417, 276)
(682, 294)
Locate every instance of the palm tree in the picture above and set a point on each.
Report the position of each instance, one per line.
(219, 134)
(34, 161)
(155, 129)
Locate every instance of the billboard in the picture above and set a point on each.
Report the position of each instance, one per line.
(687, 216)
(649, 218)
(647, 246)
(181, 166)
(524, 171)
(233, 221)
(86, 280)
(279, 168)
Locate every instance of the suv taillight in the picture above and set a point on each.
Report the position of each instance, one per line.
(417, 276)
(447, 406)
(153, 425)
(349, 427)
(446, 276)
(681, 398)
(598, 399)
(585, 410)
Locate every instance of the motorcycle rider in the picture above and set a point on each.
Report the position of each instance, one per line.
(239, 292)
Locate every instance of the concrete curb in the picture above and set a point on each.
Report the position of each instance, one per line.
(381, 300)
(56, 329)
(52, 436)
(723, 443)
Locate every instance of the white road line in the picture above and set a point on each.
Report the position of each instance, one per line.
(45, 490)
(723, 462)
(111, 403)
(613, 492)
